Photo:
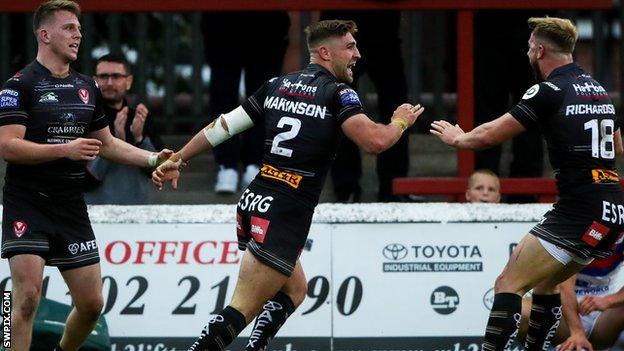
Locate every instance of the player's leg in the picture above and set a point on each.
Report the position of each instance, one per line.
(524, 322)
(563, 332)
(27, 276)
(608, 328)
(257, 282)
(529, 265)
(275, 311)
(545, 317)
(85, 287)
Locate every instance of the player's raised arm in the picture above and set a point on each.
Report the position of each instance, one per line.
(375, 137)
(485, 135)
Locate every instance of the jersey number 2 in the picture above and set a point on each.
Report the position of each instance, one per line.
(295, 126)
(602, 138)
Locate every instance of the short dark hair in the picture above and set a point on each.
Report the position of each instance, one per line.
(319, 31)
(117, 58)
(561, 32)
(48, 8)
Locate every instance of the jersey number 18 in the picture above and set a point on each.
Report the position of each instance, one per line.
(602, 138)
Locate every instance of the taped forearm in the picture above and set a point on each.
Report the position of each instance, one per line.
(227, 125)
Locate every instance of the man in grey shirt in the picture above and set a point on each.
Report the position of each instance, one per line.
(113, 183)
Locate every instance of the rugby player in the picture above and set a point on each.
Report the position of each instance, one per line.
(577, 118)
(304, 115)
(51, 123)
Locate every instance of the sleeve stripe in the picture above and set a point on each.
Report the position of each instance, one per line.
(99, 118)
(528, 111)
(13, 114)
(255, 104)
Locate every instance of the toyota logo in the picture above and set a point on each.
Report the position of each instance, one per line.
(394, 252)
(73, 248)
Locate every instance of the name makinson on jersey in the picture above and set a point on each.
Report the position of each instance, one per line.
(297, 107)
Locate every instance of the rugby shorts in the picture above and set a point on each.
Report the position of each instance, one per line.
(273, 226)
(57, 230)
(587, 223)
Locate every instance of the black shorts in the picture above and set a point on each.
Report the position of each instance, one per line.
(273, 226)
(586, 223)
(57, 230)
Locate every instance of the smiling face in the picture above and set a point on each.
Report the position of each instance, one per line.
(61, 32)
(344, 54)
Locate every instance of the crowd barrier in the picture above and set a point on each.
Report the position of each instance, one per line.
(381, 276)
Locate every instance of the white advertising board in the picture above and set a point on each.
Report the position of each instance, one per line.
(420, 281)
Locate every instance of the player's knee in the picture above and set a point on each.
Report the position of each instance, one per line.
(28, 304)
(298, 294)
(91, 308)
(503, 284)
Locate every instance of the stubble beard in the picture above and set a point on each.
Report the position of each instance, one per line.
(537, 72)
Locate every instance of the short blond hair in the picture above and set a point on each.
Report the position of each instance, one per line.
(471, 179)
(560, 32)
(47, 9)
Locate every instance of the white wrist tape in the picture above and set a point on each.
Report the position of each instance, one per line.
(152, 160)
(237, 121)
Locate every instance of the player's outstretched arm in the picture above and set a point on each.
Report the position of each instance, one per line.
(376, 137)
(570, 308)
(14, 149)
(119, 151)
(485, 135)
(218, 131)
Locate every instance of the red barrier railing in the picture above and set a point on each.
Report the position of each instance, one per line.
(544, 188)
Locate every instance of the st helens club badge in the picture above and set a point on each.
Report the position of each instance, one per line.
(84, 95)
(19, 228)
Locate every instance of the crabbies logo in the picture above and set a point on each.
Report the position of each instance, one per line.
(84, 95)
(19, 228)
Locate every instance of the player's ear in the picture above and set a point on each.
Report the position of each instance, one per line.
(540, 51)
(43, 35)
(324, 52)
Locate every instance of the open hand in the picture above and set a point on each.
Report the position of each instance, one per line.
(120, 123)
(408, 113)
(446, 131)
(138, 123)
(576, 342)
(592, 303)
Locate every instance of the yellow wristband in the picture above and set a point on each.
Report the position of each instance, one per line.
(401, 123)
